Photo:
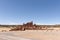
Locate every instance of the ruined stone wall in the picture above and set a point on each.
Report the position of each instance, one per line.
(29, 26)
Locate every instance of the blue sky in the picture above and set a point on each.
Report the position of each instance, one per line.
(22, 11)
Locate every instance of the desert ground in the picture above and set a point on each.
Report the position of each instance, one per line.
(4, 29)
(31, 35)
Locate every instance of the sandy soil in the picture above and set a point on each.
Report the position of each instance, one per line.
(4, 29)
(11, 36)
(40, 35)
(31, 35)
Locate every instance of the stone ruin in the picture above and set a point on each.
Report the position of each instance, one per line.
(27, 26)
